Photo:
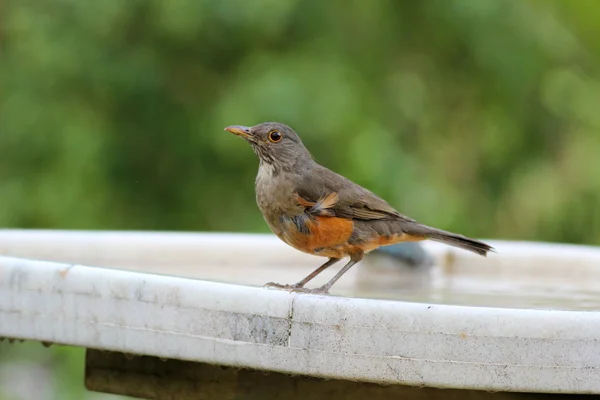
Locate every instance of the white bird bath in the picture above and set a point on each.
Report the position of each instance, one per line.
(522, 320)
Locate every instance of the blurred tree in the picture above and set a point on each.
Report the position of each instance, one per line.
(478, 116)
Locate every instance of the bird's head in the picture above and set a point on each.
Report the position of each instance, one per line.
(274, 143)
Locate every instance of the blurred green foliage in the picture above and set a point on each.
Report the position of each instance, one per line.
(477, 116)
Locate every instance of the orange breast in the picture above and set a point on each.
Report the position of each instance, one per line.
(325, 232)
(328, 237)
(330, 231)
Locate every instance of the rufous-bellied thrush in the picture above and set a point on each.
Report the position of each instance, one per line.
(320, 212)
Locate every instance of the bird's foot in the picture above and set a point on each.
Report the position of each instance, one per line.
(320, 290)
(297, 288)
(279, 286)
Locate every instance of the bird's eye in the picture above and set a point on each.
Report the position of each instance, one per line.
(275, 136)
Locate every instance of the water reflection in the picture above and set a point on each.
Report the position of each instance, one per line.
(566, 289)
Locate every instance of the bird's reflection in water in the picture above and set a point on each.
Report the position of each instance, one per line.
(397, 271)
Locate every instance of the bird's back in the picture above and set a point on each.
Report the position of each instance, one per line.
(322, 181)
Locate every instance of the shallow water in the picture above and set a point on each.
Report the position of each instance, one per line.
(536, 282)
(480, 292)
(489, 287)
(559, 290)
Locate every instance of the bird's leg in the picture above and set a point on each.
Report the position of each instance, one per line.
(354, 258)
(298, 285)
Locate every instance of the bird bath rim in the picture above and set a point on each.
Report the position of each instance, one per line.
(370, 340)
(519, 275)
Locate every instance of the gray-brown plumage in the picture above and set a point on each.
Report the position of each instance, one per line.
(320, 212)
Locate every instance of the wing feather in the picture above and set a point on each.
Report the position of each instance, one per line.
(325, 193)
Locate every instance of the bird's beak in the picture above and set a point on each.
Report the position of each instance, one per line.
(243, 131)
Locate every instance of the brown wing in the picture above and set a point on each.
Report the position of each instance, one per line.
(324, 192)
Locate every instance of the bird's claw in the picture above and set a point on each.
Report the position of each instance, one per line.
(320, 291)
(273, 285)
(296, 288)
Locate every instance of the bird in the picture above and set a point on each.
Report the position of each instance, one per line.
(320, 212)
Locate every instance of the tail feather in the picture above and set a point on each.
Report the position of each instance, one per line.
(452, 239)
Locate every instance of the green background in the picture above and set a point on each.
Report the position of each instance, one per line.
(477, 116)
